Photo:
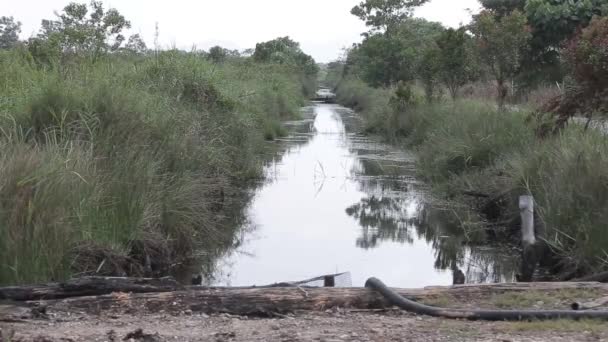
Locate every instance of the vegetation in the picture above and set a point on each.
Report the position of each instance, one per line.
(484, 154)
(117, 160)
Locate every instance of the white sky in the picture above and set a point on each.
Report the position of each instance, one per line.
(323, 27)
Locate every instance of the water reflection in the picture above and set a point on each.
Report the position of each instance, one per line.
(339, 201)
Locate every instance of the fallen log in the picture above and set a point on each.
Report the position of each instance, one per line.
(279, 300)
(88, 286)
(96, 286)
(590, 305)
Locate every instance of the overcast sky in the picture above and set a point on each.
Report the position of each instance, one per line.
(323, 27)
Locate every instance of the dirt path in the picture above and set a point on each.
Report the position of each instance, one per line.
(328, 326)
(121, 323)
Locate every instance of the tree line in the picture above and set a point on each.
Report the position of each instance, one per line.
(525, 43)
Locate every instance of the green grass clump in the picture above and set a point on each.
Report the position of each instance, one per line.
(129, 165)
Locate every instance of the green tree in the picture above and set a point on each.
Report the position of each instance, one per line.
(9, 32)
(217, 54)
(455, 59)
(502, 43)
(429, 71)
(82, 29)
(283, 50)
(384, 15)
(503, 7)
(383, 60)
(136, 44)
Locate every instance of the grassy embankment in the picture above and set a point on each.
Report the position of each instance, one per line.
(129, 165)
(470, 147)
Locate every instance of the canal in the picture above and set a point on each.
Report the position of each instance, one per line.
(339, 201)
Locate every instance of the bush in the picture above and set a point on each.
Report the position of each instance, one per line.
(586, 56)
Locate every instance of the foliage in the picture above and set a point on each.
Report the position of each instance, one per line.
(283, 50)
(502, 44)
(384, 15)
(80, 29)
(429, 72)
(383, 60)
(587, 57)
(217, 54)
(504, 7)
(455, 58)
(9, 32)
(553, 21)
(136, 44)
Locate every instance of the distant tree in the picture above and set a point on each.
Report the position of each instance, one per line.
(83, 29)
(429, 71)
(503, 7)
(136, 44)
(553, 21)
(217, 54)
(383, 60)
(283, 50)
(502, 43)
(586, 57)
(455, 59)
(384, 15)
(9, 32)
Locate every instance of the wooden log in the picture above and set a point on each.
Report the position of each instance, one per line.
(88, 286)
(276, 300)
(590, 305)
(95, 286)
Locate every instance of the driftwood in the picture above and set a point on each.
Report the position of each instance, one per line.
(590, 305)
(277, 300)
(88, 286)
(96, 286)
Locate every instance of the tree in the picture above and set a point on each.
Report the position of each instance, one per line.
(455, 59)
(503, 7)
(80, 29)
(283, 50)
(136, 44)
(429, 71)
(552, 22)
(502, 43)
(217, 54)
(383, 15)
(383, 60)
(9, 32)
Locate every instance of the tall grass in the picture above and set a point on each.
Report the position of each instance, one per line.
(468, 147)
(126, 166)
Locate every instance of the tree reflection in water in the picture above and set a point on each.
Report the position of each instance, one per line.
(396, 210)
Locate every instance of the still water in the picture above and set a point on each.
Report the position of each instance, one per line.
(338, 201)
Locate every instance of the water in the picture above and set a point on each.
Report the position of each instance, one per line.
(337, 201)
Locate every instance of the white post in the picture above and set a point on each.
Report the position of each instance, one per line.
(526, 208)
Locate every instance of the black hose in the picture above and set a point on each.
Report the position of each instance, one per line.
(474, 314)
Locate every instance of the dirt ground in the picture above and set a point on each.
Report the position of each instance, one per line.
(331, 326)
(334, 325)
